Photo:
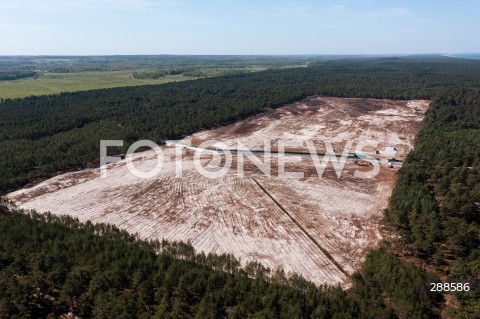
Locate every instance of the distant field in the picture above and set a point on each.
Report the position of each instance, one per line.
(69, 74)
(52, 83)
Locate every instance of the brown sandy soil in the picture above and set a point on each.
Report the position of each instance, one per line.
(318, 227)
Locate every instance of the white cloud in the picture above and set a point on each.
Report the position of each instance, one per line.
(397, 12)
(294, 8)
(338, 8)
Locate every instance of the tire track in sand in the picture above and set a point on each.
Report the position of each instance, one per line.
(323, 250)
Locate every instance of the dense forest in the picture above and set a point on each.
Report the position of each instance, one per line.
(51, 266)
(435, 206)
(15, 75)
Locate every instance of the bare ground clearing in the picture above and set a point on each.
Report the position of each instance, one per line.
(318, 227)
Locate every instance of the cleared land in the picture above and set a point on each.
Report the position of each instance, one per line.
(318, 227)
(53, 83)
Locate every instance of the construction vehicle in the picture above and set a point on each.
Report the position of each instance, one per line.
(362, 163)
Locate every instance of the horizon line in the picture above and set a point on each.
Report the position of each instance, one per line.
(252, 54)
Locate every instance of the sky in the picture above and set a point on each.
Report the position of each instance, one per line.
(105, 27)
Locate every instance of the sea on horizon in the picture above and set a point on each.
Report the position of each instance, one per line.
(475, 56)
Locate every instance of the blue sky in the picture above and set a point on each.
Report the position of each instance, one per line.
(238, 27)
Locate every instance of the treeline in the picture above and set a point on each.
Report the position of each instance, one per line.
(16, 75)
(157, 74)
(435, 205)
(51, 266)
(41, 136)
(191, 72)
